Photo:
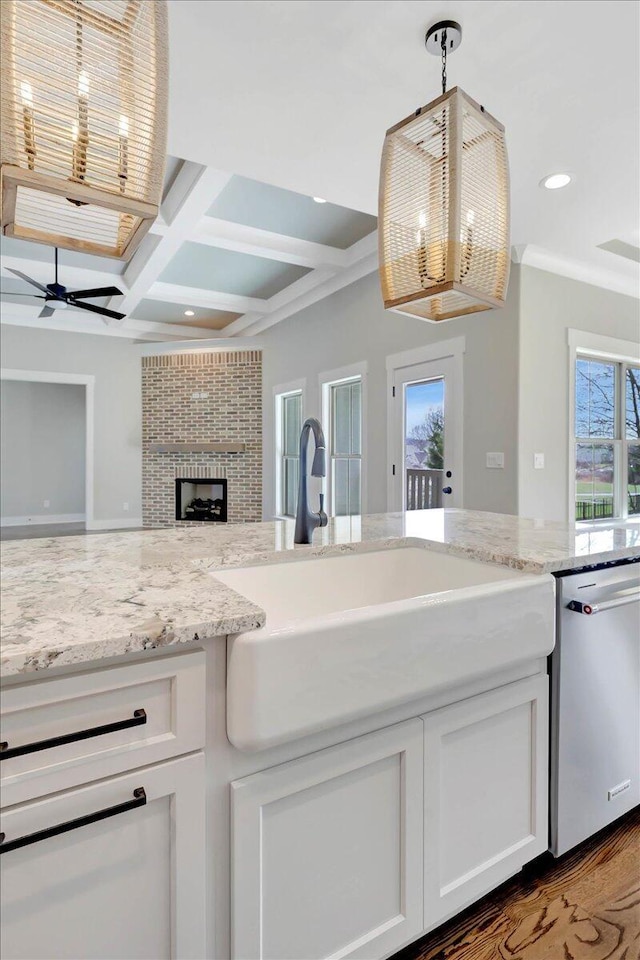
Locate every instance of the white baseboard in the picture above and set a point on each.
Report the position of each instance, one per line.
(118, 524)
(35, 519)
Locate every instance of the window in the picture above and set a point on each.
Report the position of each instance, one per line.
(607, 435)
(288, 427)
(345, 446)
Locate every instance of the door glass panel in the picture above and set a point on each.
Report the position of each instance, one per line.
(424, 443)
(594, 481)
(632, 403)
(595, 398)
(633, 479)
(341, 419)
(292, 423)
(354, 486)
(341, 487)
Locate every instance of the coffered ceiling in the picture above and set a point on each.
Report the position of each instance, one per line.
(227, 255)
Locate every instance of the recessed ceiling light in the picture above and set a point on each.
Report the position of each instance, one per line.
(555, 181)
(319, 200)
(189, 313)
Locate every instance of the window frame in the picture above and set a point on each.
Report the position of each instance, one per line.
(623, 354)
(280, 393)
(332, 378)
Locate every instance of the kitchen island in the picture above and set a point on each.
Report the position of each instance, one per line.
(80, 599)
(350, 837)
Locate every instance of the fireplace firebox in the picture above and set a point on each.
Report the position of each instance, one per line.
(201, 500)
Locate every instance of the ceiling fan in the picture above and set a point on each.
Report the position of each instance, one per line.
(56, 296)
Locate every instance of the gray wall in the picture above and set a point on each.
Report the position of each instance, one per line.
(550, 305)
(43, 446)
(351, 326)
(115, 363)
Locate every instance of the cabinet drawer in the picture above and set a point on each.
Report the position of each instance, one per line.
(59, 733)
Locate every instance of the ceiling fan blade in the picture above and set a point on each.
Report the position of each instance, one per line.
(46, 312)
(96, 292)
(23, 276)
(101, 310)
(36, 296)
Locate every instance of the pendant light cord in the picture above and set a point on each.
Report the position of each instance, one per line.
(443, 48)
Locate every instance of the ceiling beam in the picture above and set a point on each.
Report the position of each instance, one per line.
(362, 259)
(207, 299)
(75, 321)
(272, 246)
(332, 284)
(194, 190)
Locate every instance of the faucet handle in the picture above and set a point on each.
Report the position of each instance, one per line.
(323, 517)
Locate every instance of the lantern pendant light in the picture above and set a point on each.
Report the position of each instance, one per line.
(443, 219)
(84, 90)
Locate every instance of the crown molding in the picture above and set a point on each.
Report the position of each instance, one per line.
(529, 255)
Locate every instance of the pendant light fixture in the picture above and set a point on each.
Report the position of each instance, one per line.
(83, 111)
(443, 217)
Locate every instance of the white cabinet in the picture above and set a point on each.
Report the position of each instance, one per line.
(327, 851)
(61, 733)
(486, 762)
(129, 886)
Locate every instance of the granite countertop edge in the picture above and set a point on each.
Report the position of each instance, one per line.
(152, 590)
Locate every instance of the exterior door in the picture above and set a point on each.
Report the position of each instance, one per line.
(426, 442)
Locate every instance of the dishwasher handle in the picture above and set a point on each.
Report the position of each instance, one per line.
(629, 596)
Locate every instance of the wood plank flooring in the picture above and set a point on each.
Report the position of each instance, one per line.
(584, 906)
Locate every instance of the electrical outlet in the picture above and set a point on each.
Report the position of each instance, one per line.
(46, 504)
(538, 461)
(125, 506)
(495, 461)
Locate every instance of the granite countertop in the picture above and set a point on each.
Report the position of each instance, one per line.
(70, 600)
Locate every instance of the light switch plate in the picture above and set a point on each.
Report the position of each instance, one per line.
(538, 461)
(495, 461)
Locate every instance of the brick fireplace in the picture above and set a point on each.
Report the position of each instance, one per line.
(202, 423)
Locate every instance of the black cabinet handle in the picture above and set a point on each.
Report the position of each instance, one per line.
(6, 752)
(447, 490)
(139, 800)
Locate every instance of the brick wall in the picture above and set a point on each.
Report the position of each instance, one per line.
(232, 411)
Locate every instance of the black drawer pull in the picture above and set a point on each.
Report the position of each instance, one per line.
(140, 799)
(6, 752)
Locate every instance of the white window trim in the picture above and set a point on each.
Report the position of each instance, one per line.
(88, 381)
(454, 348)
(326, 380)
(279, 391)
(599, 347)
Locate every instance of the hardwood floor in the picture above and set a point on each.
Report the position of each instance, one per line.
(584, 906)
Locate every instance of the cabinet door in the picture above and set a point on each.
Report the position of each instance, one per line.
(486, 763)
(327, 851)
(127, 886)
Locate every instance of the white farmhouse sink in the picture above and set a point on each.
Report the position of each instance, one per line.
(347, 636)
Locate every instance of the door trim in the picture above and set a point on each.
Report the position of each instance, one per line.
(88, 381)
(453, 349)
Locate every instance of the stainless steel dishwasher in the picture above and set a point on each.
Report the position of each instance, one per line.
(595, 701)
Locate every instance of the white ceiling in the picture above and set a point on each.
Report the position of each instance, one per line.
(299, 94)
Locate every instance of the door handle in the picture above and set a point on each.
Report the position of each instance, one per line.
(577, 606)
(6, 752)
(447, 489)
(139, 800)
